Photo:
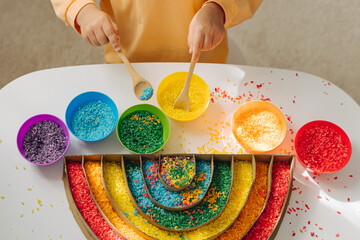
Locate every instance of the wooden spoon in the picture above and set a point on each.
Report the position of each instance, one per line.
(183, 100)
(139, 83)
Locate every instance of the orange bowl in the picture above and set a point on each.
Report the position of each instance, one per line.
(258, 126)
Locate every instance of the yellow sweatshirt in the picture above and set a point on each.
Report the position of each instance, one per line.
(157, 30)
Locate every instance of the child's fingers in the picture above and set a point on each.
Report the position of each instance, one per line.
(213, 43)
(111, 32)
(93, 39)
(207, 42)
(87, 39)
(218, 39)
(89, 36)
(101, 36)
(197, 46)
(115, 27)
(190, 40)
(195, 55)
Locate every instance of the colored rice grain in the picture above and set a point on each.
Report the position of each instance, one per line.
(44, 142)
(322, 149)
(147, 93)
(141, 132)
(268, 218)
(85, 204)
(93, 121)
(239, 191)
(177, 171)
(171, 92)
(258, 130)
(184, 198)
(93, 172)
(214, 201)
(253, 205)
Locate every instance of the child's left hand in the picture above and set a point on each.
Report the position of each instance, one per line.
(206, 29)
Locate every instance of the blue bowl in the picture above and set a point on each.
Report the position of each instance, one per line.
(85, 98)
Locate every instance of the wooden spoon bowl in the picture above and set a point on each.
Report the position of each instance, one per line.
(139, 83)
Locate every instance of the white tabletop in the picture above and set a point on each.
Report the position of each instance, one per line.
(33, 204)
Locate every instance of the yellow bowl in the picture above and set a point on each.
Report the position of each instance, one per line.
(169, 89)
(258, 126)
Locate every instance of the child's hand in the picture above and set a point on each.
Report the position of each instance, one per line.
(206, 29)
(97, 28)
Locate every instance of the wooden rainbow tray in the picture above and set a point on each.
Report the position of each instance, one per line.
(123, 160)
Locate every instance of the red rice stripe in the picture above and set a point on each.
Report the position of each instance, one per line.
(86, 205)
(279, 187)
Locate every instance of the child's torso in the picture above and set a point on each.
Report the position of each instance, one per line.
(156, 31)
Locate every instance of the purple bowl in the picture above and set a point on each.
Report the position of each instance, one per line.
(33, 120)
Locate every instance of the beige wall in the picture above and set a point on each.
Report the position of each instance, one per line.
(319, 37)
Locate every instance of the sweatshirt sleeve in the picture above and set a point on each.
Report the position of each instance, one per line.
(237, 11)
(67, 10)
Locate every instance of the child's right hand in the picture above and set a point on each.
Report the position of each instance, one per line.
(97, 28)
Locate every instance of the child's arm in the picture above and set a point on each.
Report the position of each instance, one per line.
(97, 28)
(208, 27)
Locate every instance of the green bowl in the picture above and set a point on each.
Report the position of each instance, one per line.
(154, 110)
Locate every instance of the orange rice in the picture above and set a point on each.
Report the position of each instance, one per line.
(253, 205)
(93, 172)
(258, 130)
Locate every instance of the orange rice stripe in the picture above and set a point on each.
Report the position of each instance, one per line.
(93, 172)
(253, 205)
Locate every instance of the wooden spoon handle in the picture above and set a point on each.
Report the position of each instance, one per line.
(188, 78)
(134, 75)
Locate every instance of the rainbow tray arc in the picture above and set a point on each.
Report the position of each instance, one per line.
(225, 196)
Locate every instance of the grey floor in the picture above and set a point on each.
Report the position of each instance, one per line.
(318, 37)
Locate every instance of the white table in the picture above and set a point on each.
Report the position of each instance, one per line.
(320, 203)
